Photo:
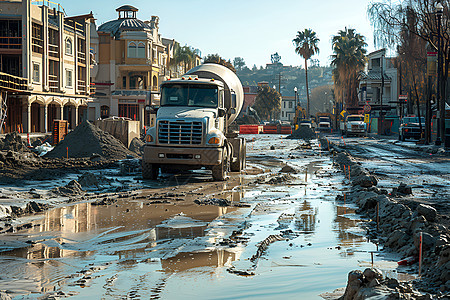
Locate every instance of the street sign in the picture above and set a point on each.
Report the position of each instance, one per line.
(367, 108)
(343, 113)
(402, 98)
(366, 118)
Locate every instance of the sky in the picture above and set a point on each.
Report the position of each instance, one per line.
(251, 29)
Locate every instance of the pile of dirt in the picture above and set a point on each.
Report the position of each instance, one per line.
(87, 139)
(137, 146)
(13, 142)
(304, 133)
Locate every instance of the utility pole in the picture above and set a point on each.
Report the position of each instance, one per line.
(441, 102)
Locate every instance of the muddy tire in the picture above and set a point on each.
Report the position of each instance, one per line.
(220, 172)
(150, 171)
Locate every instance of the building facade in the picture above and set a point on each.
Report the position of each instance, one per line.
(374, 89)
(51, 52)
(132, 60)
(288, 104)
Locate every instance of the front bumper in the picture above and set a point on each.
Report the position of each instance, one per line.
(182, 155)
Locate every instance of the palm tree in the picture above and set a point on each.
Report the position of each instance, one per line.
(349, 59)
(184, 55)
(306, 45)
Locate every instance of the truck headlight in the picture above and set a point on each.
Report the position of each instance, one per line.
(214, 141)
(148, 138)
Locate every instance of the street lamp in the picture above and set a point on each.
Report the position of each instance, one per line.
(441, 102)
(295, 92)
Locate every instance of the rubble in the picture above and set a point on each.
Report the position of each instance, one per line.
(288, 169)
(399, 229)
(304, 133)
(137, 146)
(87, 139)
(73, 188)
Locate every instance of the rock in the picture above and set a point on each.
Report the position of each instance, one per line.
(137, 146)
(88, 180)
(428, 241)
(272, 147)
(404, 189)
(355, 280)
(427, 211)
(365, 181)
(371, 274)
(288, 169)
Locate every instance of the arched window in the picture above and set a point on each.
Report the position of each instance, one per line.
(132, 49)
(69, 46)
(141, 50)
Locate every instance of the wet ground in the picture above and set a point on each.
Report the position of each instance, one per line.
(280, 235)
(393, 162)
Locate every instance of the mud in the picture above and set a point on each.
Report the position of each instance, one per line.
(261, 234)
(398, 225)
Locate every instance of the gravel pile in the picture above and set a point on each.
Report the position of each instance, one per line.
(13, 142)
(87, 140)
(304, 133)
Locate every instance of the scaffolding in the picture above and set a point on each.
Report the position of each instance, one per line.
(3, 109)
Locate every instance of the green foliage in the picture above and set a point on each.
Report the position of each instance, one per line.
(216, 59)
(184, 55)
(267, 103)
(239, 63)
(306, 45)
(348, 60)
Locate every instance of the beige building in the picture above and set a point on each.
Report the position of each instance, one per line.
(132, 61)
(51, 51)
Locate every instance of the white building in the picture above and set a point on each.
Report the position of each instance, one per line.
(287, 108)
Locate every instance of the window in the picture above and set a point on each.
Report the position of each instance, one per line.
(136, 50)
(137, 82)
(290, 104)
(132, 49)
(37, 41)
(282, 114)
(69, 50)
(69, 78)
(104, 111)
(129, 111)
(124, 82)
(36, 73)
(284, 104)
(141, 50)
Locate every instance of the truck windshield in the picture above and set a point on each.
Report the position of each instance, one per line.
(201, 95)
(355, 118)
(413, 120)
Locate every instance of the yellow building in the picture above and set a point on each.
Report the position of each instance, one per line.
(132, 61)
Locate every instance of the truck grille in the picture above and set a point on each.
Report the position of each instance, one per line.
(180, 132)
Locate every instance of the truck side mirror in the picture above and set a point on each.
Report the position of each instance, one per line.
(233, 100)
(222, 112)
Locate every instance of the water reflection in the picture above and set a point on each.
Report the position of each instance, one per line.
(305, 217)
(343, 224)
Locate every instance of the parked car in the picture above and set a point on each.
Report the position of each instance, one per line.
(410, 128)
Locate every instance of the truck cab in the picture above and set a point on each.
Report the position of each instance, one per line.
(354, 125)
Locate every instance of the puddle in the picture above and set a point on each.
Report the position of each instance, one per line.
(157, 245)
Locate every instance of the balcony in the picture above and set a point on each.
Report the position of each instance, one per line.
(81, 85)
(81, 58)
(11, 82)
(53, 83)
(10, 43)
(53, 51)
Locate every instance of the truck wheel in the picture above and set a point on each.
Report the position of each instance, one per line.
(150, 171)
(220, 172)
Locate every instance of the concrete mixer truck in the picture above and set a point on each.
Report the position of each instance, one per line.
(192, 124)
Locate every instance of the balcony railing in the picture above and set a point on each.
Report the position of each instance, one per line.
(81, 85)
(12, 82)
(53, 51)
(53, 83)
(10, 42)
(81, 57)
